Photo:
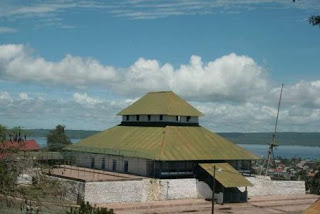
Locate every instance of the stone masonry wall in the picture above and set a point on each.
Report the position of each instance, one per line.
(140, 190)
(263, 185)
(113, 191)
(72, 189)
(167, 189)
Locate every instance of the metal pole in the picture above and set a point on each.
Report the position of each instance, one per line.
(213, 189)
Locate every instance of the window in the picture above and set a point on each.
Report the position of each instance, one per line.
(178, 118)
(188, 118)
(103, 164)
(161, 117)
(114, 165)
(149, 117)
(92, 163)
(127, 117)
(126, 166)
(138, 118)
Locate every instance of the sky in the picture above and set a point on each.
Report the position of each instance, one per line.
(79, 62)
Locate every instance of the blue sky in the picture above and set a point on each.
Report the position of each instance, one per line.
(80, 62)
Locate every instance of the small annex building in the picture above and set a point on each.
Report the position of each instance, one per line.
(160, 137)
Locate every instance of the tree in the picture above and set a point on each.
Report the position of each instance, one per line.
(86, 208)
(3, 133)
(57, 139)
(314, 20)
(15, 164)
(315, 183)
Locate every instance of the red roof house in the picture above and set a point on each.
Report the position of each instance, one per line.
(24, 145)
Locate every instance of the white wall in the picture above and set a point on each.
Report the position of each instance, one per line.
(113, 191)
(263, 185)
(140, 190)
(166, 189)
(156, 118)
(136, 166)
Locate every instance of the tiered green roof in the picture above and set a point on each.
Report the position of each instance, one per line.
(161, 103)
(163, 143)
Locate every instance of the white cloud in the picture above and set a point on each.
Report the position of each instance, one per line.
(5, 97)
(24, 96)
(144, 9)
(231, 77)
(17, 62)
(86, 100)
(7, 30)
(233, 91)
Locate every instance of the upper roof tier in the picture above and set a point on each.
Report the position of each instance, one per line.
(161, 103)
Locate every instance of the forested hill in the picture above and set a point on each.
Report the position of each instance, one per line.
(75, 134)
(283, 138)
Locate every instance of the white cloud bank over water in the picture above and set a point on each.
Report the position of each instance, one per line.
(231, 77)
(233, 91)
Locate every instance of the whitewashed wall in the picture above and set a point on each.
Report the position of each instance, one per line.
(156, 118)
(263, 185)
(168, 189)
(136, 166)
(113, 191)
(140, 190)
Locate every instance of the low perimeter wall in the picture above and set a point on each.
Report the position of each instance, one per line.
(263, 185)
(140, 190)
(167, 189)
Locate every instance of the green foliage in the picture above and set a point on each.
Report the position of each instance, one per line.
(86, 208)
(315, 184)
(314, 20)
(3, 133)
(57, 139)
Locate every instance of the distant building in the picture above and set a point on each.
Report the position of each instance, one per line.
(160, 137)
(22, 145)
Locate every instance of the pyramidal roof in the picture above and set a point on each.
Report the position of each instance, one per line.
(161, 103)
(167, 143)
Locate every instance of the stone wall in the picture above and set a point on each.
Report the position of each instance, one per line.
(263, 185)
(140, 190)
(168, 189)
(73, 190)
(113, 191)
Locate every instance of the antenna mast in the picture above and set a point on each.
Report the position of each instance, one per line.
(273, 143)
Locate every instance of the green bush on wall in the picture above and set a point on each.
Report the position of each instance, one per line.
(86, 208)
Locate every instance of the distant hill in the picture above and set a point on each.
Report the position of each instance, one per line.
(283, 138)
(74, 134)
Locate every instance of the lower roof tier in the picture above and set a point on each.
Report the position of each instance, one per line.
(169, 143)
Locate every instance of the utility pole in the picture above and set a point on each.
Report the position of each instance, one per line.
(213, 189)
(273, 143)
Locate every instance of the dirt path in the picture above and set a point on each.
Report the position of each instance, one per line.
(294, 204)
